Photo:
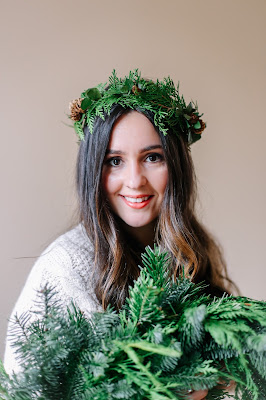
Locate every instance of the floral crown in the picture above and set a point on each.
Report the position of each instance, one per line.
(161, 98)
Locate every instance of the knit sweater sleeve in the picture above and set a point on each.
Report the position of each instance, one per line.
(65, 265)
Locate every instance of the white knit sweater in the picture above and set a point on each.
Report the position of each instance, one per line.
(67, 265)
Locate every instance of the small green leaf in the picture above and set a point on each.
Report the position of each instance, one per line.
(156, 348)
(193, 137)
(128, 84)
(190, 138)
(86, 102)
(93, 94)
(197, 125)
(79, 130)
(189, 108)
(124, 89)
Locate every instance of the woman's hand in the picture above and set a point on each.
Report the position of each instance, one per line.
(201, 394)
(197, 395)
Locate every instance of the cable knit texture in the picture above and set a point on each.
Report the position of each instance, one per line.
(67, 265)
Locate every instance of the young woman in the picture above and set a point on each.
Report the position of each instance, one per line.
(136, 187)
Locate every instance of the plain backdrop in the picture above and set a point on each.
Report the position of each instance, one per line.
(52, 50)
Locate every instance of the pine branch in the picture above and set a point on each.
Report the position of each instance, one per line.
(168, 338)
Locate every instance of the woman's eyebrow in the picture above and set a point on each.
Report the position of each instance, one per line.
(153, 147)
(147, 148)
(111, 151)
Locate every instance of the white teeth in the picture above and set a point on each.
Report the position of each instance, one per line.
(136, 199)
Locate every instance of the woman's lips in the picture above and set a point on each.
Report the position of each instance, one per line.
(137, 202)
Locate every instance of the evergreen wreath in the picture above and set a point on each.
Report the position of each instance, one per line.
(161, 98)
(168, 338)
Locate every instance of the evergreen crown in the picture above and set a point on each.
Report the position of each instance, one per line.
(162, 98)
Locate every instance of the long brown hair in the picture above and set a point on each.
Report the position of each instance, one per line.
(116, 254)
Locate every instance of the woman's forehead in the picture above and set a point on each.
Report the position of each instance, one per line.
(133, 130)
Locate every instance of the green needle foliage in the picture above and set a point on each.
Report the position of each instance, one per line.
(162, 98)
(168, 338)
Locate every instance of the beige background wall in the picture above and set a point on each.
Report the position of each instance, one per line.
(51, 50)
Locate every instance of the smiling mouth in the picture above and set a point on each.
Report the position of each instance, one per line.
(137, 199)
(137, 202)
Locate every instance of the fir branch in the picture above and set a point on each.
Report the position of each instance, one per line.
(169, 337)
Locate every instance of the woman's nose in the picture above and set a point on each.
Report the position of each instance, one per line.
(135, 176)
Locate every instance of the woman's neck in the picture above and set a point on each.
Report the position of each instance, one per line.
(144, 234)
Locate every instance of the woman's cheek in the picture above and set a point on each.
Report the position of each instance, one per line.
(111, 182)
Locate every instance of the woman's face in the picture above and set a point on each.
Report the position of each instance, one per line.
(135, 173)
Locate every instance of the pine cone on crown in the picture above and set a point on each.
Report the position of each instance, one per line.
(75, 109)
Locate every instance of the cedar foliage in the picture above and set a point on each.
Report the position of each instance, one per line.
(168, 338)
(162, 98)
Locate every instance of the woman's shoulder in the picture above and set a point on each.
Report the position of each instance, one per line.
(74, 245)
(72, 252)
(69, 259)
(67, 265)
(74, 240)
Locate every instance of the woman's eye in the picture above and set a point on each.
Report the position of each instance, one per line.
(154, 157)
(114, 161)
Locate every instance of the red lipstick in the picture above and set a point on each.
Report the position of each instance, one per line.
(137, 202)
